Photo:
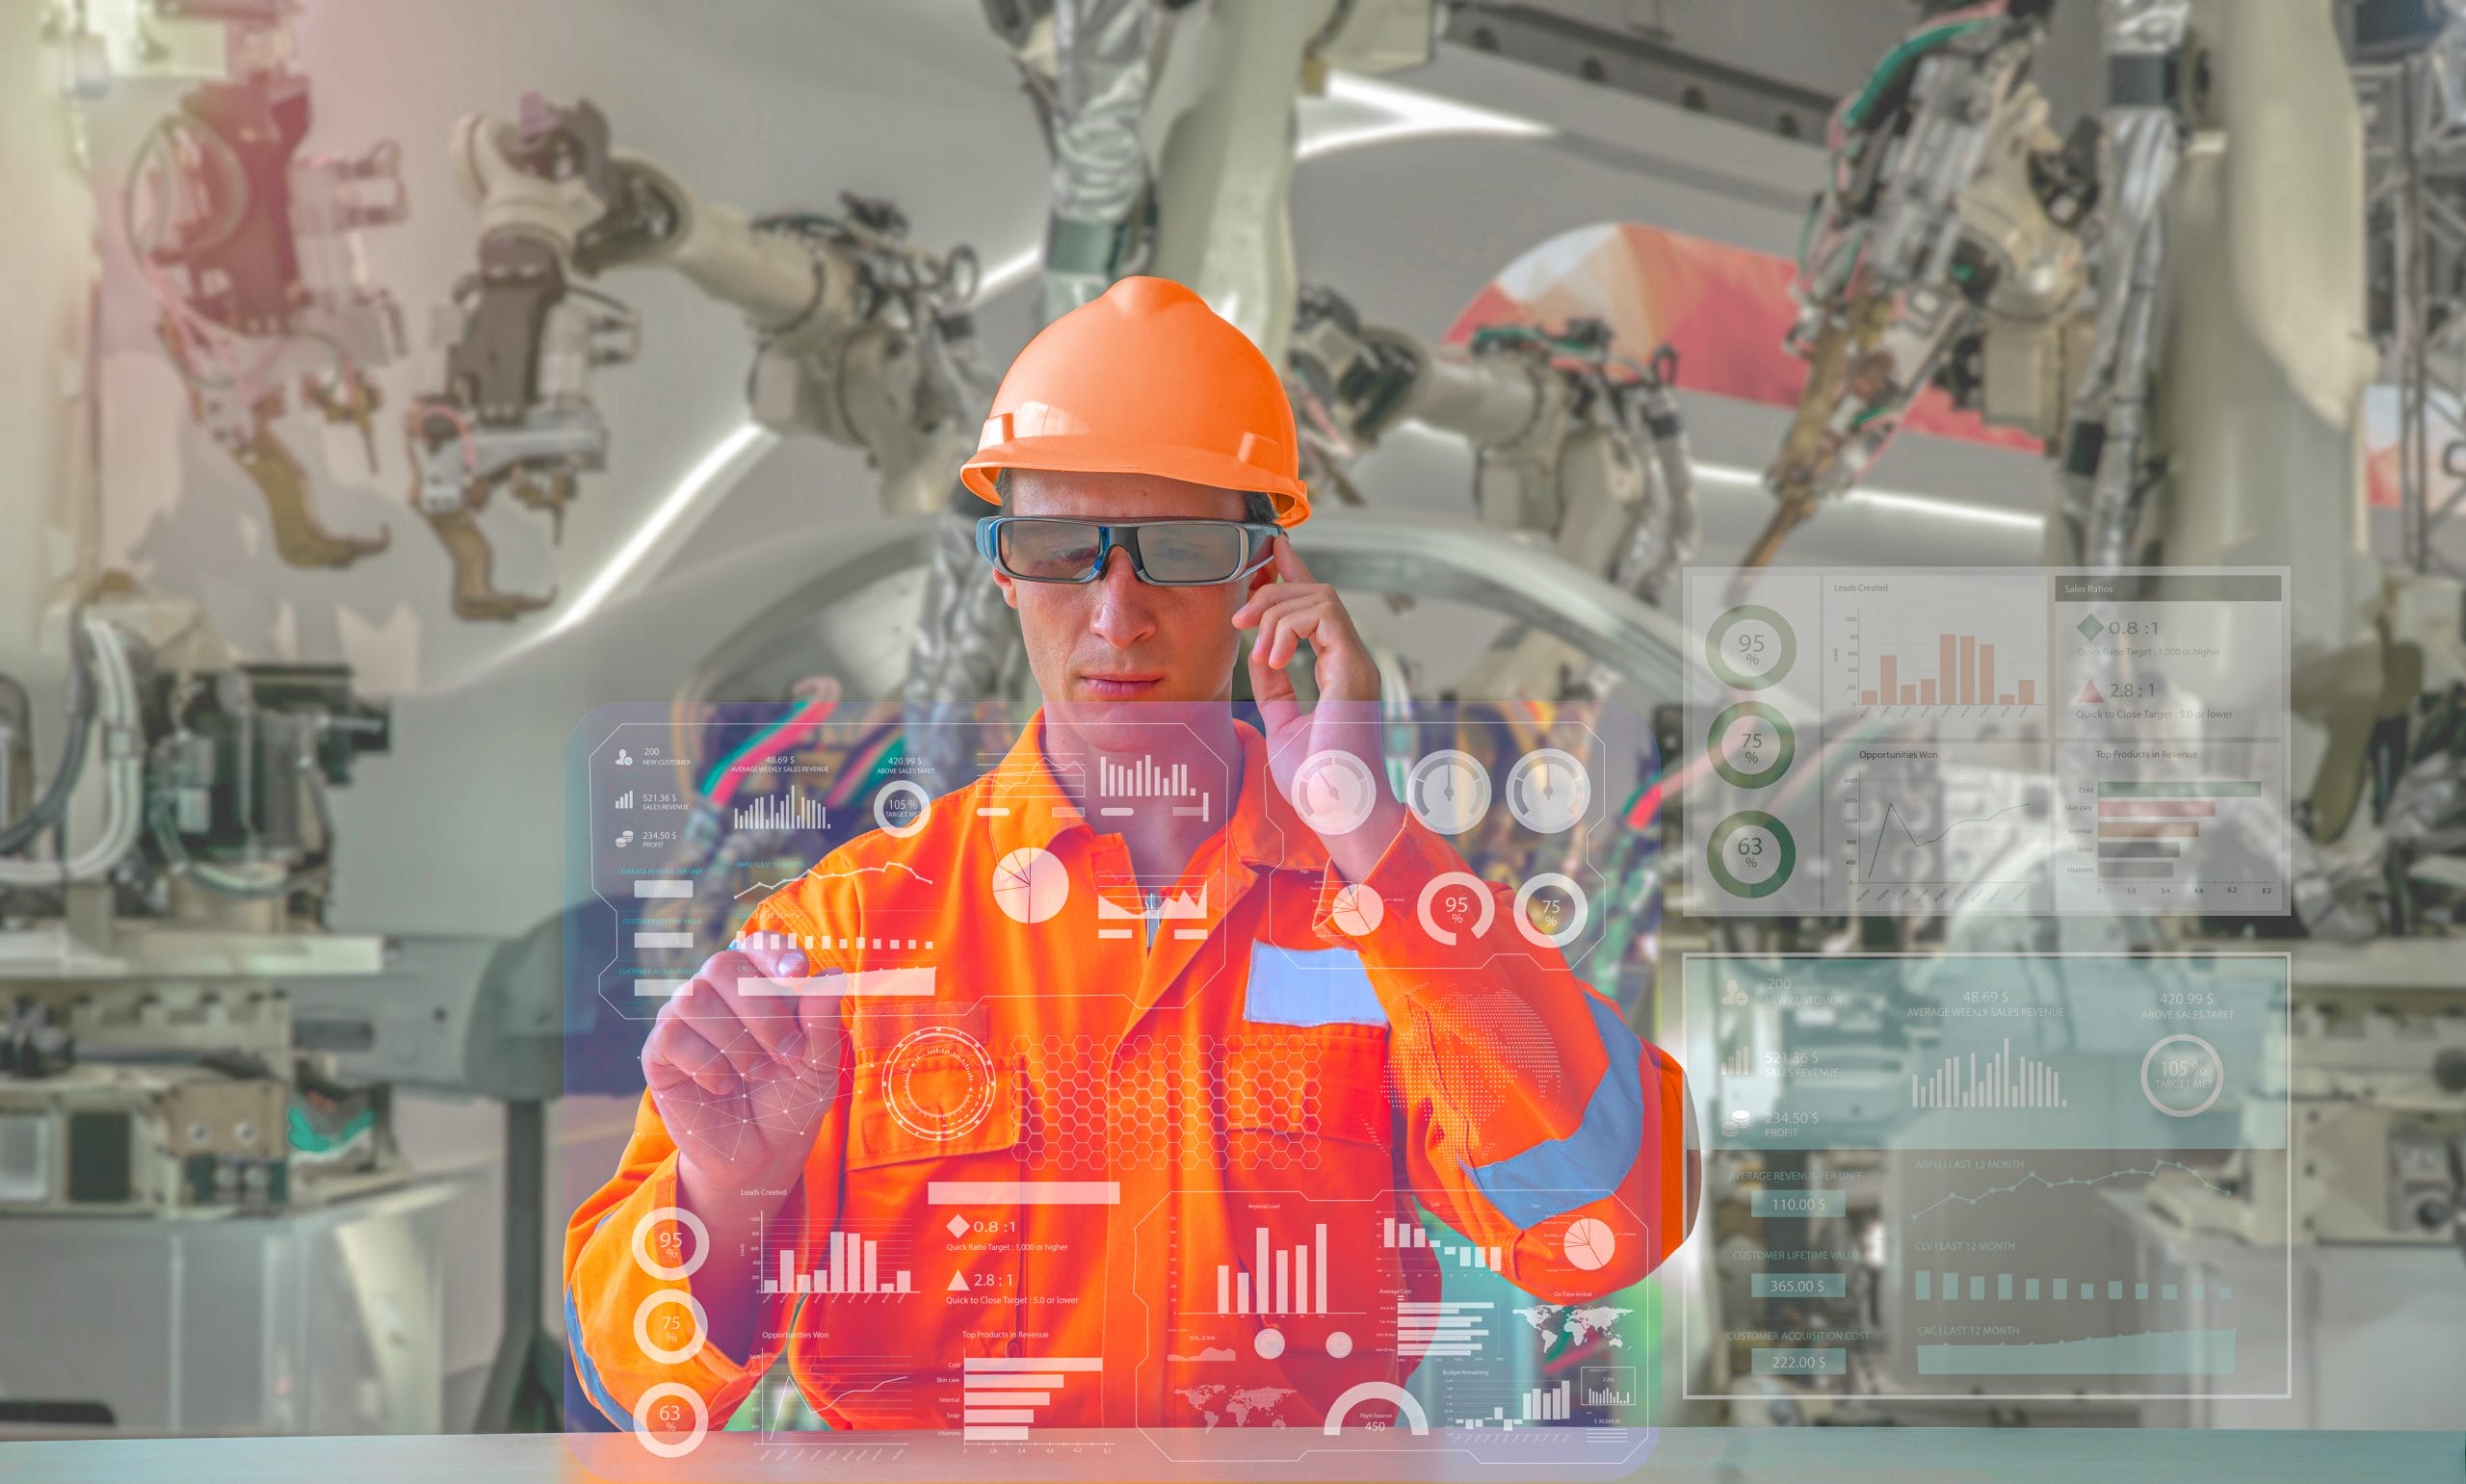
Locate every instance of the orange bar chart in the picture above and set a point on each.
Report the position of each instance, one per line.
(1964, 676)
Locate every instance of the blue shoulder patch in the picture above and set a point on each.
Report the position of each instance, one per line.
(1310, 987)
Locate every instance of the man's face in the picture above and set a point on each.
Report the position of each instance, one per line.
(1116, 638)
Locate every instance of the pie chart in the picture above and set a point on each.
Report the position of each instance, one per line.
(1030, 884)
(1588, 1243)
(1357, 910)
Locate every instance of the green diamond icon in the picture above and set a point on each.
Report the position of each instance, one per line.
(2090, 628)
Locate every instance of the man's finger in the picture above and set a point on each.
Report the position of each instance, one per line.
(738, 975)
(678, 1054)
(1288, 562)
(1279, 704)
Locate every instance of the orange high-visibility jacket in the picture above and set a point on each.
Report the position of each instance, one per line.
(1173, 1160)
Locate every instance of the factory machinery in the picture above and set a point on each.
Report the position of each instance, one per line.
(2139, 295)
(192, 1052)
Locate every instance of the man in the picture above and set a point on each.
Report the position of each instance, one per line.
(1118, 1163)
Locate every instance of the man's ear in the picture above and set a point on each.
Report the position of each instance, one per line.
(1008, 584)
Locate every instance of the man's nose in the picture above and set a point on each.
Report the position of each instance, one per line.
(1121, 617)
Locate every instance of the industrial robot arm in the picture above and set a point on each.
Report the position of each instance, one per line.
(1575, 443)
(250, 248)
(1944, 249)
(862, 338)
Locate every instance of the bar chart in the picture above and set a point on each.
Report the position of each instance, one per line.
(1278, 1279)
(2003, 1082)
(1964, 675)
(1001, 1395)
(1142, 779)
(854, 1266)
(2144, 827)
(1441, 1329)
(1406, 1234)
(792, 810)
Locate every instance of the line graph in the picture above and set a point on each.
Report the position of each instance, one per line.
(1926, 827)
(820, 874)
(2052, 1184)
(1892, 816)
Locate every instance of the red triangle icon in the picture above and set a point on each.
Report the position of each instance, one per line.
(2089, 695)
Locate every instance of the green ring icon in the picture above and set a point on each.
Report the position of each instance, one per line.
(1720, 630)
(1785, 749)
(1744, 819)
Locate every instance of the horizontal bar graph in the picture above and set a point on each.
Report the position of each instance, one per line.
(1000, 1394)
(2003, 1083)
(1439, 1329)
(1023, 1192)
(2145, 825)
(854, 1266)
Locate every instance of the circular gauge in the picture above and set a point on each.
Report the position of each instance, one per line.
(1548, 791)
(900, 807)
(1030, 884)
(1453, 900)
(669, 1241)
(1334, 792)
(1449, 791)
(938, 1083)
(1357, 910)
(1750, 854)
(685, 1343)
(2182, 1075)
(1750, 647)
(665, 1409)
(1751, 744)
(1550, 921)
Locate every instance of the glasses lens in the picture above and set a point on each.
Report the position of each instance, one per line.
(1191, 552)
(1049, 551)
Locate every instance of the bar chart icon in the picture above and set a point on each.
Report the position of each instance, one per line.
(1407, 1234)
(1549, 1404)
(2146, 827)
(2003, 1082)
(1001, 1395)
(1142, 779)
(854, 1266)
(794, 809)
(1966, 675)
(1440, 1329)
(1280, 1280)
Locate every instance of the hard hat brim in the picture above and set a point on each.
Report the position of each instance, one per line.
(1097, 453)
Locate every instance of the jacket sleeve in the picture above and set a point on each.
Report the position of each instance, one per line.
(1527, 1105)
(627, 1245)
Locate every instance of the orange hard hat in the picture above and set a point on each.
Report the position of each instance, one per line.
(1146, 380)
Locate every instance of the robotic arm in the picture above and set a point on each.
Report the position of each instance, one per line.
(1944, 249)
(1575, 443)
(861, 338)
(251, 249)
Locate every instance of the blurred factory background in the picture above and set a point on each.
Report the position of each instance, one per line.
(678, 506)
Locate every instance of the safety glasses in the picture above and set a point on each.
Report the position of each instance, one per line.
(1162, 552)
